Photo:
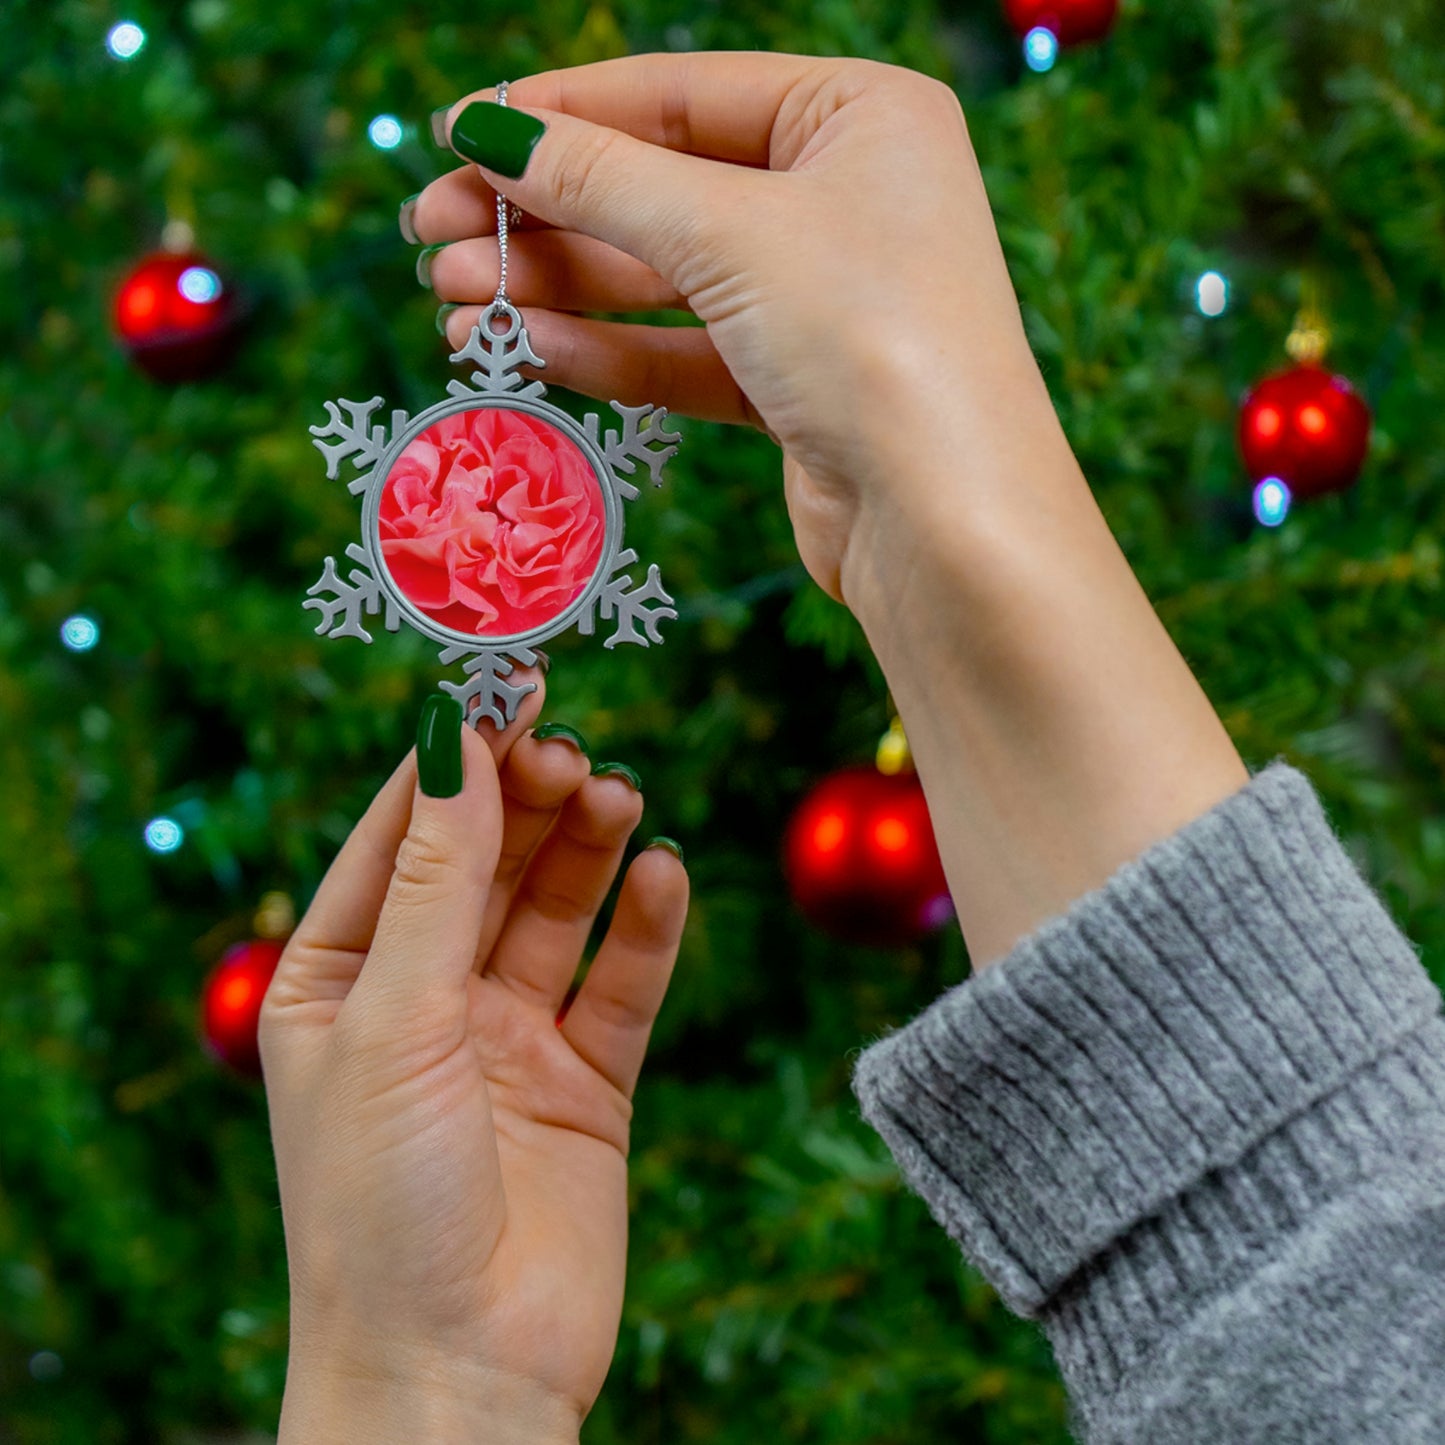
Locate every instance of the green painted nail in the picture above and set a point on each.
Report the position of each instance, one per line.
(439, 746)
(443, 311)
(618, 770)
(423, 262)
(405, 219)
(496, 136)
(671, 844)
(439, 126)
(561, 730)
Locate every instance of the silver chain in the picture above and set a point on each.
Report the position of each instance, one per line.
(501, 299)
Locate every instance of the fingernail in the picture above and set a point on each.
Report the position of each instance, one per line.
(496, 136)
(423, 263)
(439, 126)
(439, 746)
(618, 770)
(405, 219)
(543, 661)
(671, 844)
(561, 730)
(443, 311)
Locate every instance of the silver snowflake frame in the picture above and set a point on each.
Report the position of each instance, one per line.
(615, 455)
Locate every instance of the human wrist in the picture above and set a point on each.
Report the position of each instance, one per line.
(419, 1399)
(950, 471)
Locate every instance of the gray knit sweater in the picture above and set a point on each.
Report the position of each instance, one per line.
(1196, 1127)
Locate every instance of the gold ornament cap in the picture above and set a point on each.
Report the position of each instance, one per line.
(1310, 339)
(894, 755)
(275, 916)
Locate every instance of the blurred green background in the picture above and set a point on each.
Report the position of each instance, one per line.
(783, 1285)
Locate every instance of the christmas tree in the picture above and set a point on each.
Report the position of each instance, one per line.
(177, 742)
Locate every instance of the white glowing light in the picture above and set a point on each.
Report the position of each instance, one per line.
(46, 1365)
(80, 633)
(164, 835)
(199, 284)
(126, 40)
(385, 132)
(1041, 48)
(1212, 294)
(1271, 502)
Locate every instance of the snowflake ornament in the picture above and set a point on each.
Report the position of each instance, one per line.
(492, 521)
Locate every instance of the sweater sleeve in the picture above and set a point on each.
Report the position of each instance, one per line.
(1196, 1127)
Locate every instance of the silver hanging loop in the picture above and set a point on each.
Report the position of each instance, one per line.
(501, 303)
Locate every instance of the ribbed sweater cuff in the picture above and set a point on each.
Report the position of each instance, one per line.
(1223, 983)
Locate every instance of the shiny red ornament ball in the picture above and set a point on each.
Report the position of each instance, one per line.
(1307, 427)
(176, 316)
(231, 1003)
(1073, 22)
(861, 860)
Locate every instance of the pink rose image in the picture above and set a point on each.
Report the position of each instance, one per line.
(491, 522)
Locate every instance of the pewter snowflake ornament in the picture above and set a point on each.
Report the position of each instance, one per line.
(492, 521)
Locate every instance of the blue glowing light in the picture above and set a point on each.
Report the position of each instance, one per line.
(1271, 502)
(126, 40)
(164, 835)
(199, 284)
(385, 132)
(1041, 48)
(80, 633)
(1211, 294)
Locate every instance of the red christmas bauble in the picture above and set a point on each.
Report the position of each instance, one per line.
(1073, 22)
(231, 1003)
(1307, 427)
(176, 317)
(861, 860)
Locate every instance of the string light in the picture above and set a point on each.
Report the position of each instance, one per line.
(385, 132)
(45, 1366)
(126, 40)
(1212, 294)
(164, 835)
(1041, 48)
(199, 284)
(80, 633)
(1271, 502)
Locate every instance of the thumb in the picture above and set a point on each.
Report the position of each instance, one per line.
(426, 934)
(656, 204)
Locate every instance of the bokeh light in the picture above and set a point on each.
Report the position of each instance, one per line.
(80, 633)
(385, 132)
(45, 1366)
(1271, 502)
(199, 284)
(1041, 48)
(126, 40)
(164, 835)
(1211, 293)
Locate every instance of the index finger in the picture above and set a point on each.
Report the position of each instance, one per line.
(723, 105)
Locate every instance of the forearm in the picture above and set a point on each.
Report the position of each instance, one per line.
(1056, 728)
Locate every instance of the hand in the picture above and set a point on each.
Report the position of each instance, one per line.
(452, 1159)
(825, 218)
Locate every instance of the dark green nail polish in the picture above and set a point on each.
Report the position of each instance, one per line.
(671, 844)
(561, 730)
(496, 136)
(406, 222)
(439, 126)
(439, 747)
(617, 770)
(423, 262)
(443, 311)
